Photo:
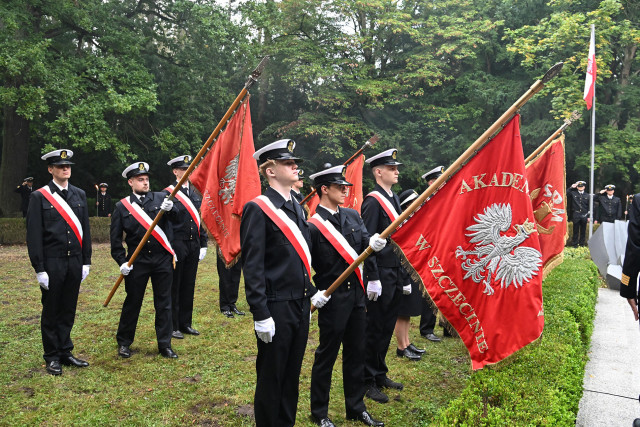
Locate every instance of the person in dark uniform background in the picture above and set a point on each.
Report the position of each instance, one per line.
(229, 280)
(609, 206)
(60, 256)
(429, 314)
(155, 261)
(579, 207)
(190, 243)
(410, 302)
(25, 189)
(631, 264)
(104, 201)
(343, 319)
(297, 186)
(277, 285)
(384, 287)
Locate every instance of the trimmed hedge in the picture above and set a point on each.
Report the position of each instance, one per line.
(13, 231)
(541, 384)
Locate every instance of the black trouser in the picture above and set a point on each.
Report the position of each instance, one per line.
(427, 319)
(229, 283)
(579, 230)
(340, 323)
(279, 362)
(59, 305)
(158, 267)
(184, 283)
(381, 321)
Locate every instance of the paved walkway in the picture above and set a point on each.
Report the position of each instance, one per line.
(614, 366)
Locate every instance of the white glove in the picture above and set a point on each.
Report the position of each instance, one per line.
(376, 243)
(125, 269)
(319, 300)
(265, 329)
(85, 272)
(374, 290)
(406, 290)
(43, 280)
(166, 205)
(203, 252)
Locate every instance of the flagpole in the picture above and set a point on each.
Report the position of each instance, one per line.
(451, 170)
(574, 116)
(253, 77)
(593, 143)
(369, 143)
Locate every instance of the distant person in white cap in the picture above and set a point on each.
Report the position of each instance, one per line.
(132, 217)
(276, 264)
(578, 210)
(25, 189)
(59, 244)
(609, 206)
(190, 243)
(104, 201)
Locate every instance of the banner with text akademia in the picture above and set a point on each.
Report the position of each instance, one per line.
(228, 178)
(479, 258)
(546, 177)
(354, 198)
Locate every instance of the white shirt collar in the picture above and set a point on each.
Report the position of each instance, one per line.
(329, 210)
(286, 197)
(61, 188)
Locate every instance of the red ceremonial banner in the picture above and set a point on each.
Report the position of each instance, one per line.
(547, 182)
(474, 247)
(228, 178)
(354, 198)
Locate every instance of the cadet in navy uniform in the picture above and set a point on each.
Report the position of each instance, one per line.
(579, 208)
(60, 253)
(609, 206)
(631, 265)
(343, 319)
(277, 284)
(155, 261)
(25, 189)
(297, 186)
(384, 287)
(104, 201)
(428, 317)
(190, 243)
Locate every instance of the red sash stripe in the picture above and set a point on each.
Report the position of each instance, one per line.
(187, 203)
(65, 211)
(145, 221)
(386, 205)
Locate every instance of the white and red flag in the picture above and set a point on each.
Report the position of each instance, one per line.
(590, 81)
(474, 247)
(228, 178)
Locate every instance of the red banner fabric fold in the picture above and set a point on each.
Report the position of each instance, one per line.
(474, 247)
(228, 178)
(546, 177)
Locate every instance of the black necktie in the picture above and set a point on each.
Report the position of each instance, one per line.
(141, 200)
(64, 194)
(289, 205)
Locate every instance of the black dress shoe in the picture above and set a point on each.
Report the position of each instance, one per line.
(408, 354)
(323, 422)
(432, 337)
(388, 383)
(366, 419)
(124, 351)
(374, 393)
(240, 313)
(168, 353)
(228, 313)
(177, 334)
(72, 361)
(416, 349)
(54, 368)
(189, 330)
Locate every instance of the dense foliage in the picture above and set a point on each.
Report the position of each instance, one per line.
(118, 80)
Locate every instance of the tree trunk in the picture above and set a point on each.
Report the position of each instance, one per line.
(13, 169)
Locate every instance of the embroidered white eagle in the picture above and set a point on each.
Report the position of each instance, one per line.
(497, 253)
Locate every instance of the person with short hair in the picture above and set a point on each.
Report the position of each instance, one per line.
(25, 189)
(338, 236)
(104, 201)
(276, 263)
(59, 245)
(132, 217)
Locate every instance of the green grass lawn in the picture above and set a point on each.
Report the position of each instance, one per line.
(212, 382)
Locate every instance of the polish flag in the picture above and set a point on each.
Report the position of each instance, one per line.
(590, 82)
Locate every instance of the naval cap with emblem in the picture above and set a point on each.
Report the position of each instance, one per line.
(385, 158)
(333, 175)
(180, 162)
(279, 150)
(610, 187)
(135, 169)
(581, 184)
(433, 173)
(58, 157)
(406, 197)
(103, 184)
(28, 179)
(300, 174)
